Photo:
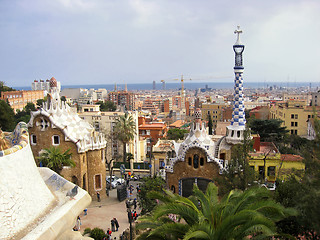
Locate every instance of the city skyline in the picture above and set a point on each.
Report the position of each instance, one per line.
(103, 42)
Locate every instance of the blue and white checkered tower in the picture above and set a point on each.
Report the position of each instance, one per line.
(238, 123)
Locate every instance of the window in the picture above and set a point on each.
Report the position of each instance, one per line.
(97, 182)
(33, 139)
(189, 161)
(201, 161)
(238, 134)
(296, 116)
(55, 140)
(292, 124)
(292, 116)
(271, 171)
(195, 161)
(296, 124)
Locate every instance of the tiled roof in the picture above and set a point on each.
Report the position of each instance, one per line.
(291, 158)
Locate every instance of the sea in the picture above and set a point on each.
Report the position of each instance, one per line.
(189, 85)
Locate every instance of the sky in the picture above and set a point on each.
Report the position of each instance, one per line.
(141, 41)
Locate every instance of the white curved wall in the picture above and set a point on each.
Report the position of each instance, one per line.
(23, 194)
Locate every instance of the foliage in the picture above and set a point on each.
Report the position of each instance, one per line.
(4, 88)
(124, 131)
(97, 234)
(269, 130)
(40, 101)
(239, 215)
(107, 106)
(210, 124)
(54, 159)
(176, 133)
(129, 156)
(7, 121)
(149, 184)
(25, 114)
(237, 174)
(303, 195)
(86, 231)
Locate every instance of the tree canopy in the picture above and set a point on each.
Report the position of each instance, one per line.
(239, 215)
(210, 124)
(176, 133)
(7, 119)
(4, 88)
(54, 159)
(25, 114)
(237, 173)
(124, 131)
(303, 194)
(149, 184)
(107, 106)
(269, 130)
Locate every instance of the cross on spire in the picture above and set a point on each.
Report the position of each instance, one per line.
(238, 31)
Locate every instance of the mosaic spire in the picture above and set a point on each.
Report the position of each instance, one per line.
(238, 122)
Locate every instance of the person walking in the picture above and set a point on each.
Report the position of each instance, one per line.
(116, 223)
(109, 232)
(135, 203)
(112, 225)
(98, 196)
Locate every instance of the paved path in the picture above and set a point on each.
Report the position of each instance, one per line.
(100, 214)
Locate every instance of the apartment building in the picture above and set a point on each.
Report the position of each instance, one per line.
(19, 99)
(295, 115)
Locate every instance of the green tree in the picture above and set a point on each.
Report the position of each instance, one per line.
(210, 124)
(107, 106)
(239, 215)
(176, 133)
(149, 184)
(124, 131)
(4, 88)
(54, 159)
(41, 101)
(25, 114)
(97, 234)
(269, 130)
(238, 174)
(303, 194)
(7, 120)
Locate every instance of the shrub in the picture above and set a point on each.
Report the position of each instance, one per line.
(86, 231)
(97, 234)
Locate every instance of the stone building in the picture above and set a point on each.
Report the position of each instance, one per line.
(197, 159)
(55, 124)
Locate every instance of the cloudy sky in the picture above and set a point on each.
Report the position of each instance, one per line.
(138, 41)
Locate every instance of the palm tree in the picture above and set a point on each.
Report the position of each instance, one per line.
(124, 131)
(239, 215)
(54, 159)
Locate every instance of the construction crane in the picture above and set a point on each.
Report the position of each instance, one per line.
(163, 84)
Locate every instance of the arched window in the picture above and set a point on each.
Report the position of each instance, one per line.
(195, 161)
(173, 189)
(201, 161)
(190, 161)
(238, 134)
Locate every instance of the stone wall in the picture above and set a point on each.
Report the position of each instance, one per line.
(96, 174)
